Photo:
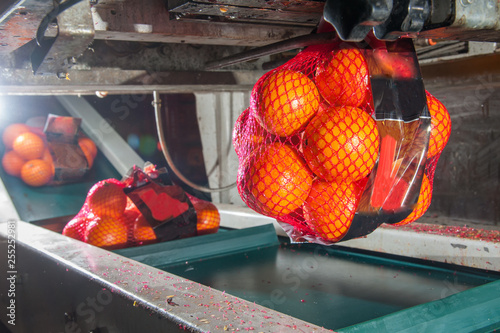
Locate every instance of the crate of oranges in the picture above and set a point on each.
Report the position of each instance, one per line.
(58, 154)
(339, 140)
(143, 208)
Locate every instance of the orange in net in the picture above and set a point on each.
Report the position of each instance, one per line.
(76, 228)
(287, 100)
(423, 203)
(247, 133)
(440, 126)
(36, 173)
(11, 133)
(90, 146)
(29, 146)
(342, 78)
(143, 232)
(12, 163)
(277, 179)
(47, 157)
(208, 217)
(341, 143)
(330, 208)
(106, 198)
(107, 232)
(88, 155)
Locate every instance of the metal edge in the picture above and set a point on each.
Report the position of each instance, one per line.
(442, 248)
(111, 270)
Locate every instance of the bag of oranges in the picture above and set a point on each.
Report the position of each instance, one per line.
(57, 154)
(143, 208)
(336, 141)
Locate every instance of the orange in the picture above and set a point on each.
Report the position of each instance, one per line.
(107, 232)
(47, 157)
(330, 208)
(29, 146)
(278, 180)
(143, 232)
(106, 198)
(287, 100)
(423, 203)
(11, 133)
(76, 227)
(12, 163)
(247, 133)
(88, 155)
(36, 172)
(342, 78)
(440, 126)
(208, 217)
(341, 143)
(91, 147)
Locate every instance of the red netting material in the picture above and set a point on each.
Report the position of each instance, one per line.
(110, 219)
(308, 143)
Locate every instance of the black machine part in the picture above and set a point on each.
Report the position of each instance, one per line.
(474, 20)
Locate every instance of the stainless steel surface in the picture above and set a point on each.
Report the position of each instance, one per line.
(289, 13)
(135, 21)
(88, 288)
(19, 23)
(75, 32)
(444, 247)
(290, 44)
(22, 82)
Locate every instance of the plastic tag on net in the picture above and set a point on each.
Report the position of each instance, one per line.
(322, 155)
(165, 207)
(70, 162)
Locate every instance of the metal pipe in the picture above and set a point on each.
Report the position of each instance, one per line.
(170, 162)
(286, 45)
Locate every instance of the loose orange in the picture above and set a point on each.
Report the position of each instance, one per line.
(36, 173)
(440, 126)
(12, 163)
(91, 147)
(106, 198)
(29, 146)
(143, 232)
(341, 143)
(342, 78)
(423, 203)
(278, 179)
(330, 208)
(11, 133)
(107, 232)
(287, 100)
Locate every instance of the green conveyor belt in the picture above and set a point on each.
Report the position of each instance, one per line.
(333, 287)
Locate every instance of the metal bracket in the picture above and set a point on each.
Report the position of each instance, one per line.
(76, 31)
(353, 20)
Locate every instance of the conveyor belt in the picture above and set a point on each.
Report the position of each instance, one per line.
(327, 286)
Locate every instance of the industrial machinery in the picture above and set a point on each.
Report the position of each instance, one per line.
(110, 63)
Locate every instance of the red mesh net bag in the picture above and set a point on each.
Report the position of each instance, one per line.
(331, 147)
(141, 209)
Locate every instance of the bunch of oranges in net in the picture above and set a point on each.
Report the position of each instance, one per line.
(28, 157)
(309, 141)
(110, 219)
